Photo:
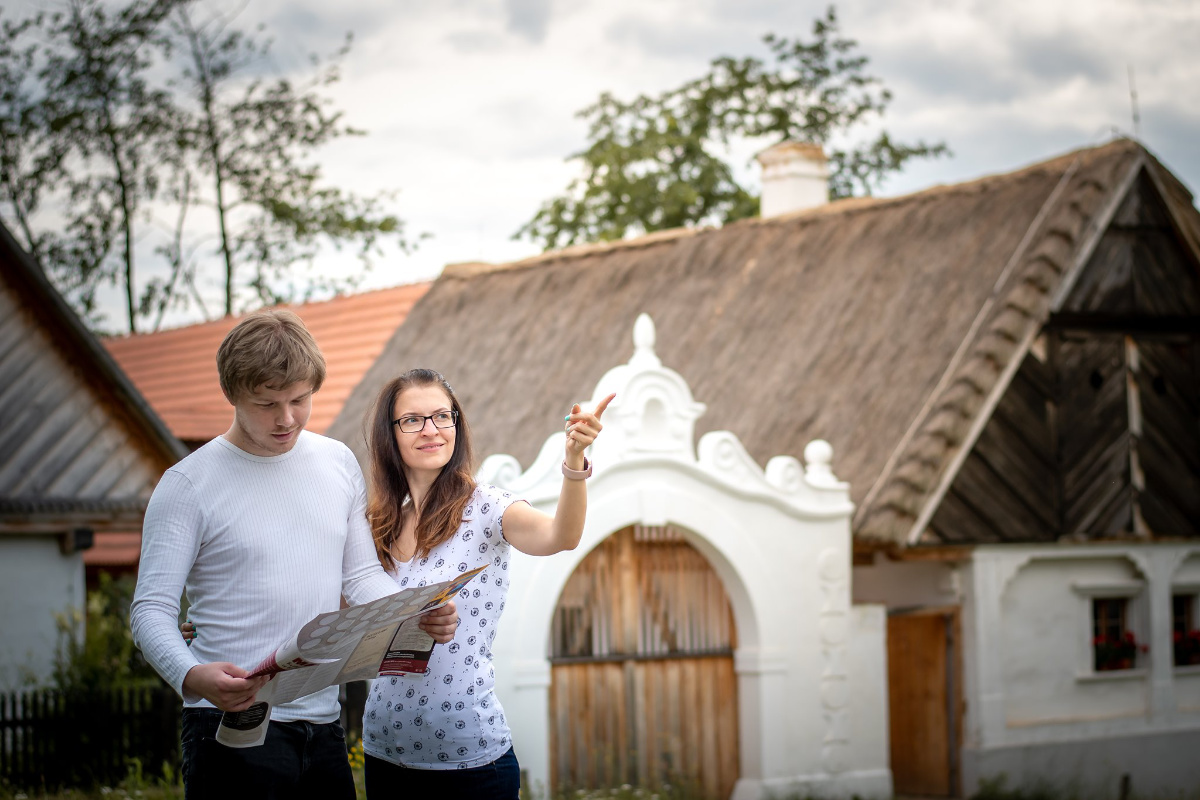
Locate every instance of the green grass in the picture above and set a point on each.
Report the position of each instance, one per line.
(137, 785)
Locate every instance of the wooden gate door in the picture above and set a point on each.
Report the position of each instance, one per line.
(924, 701)
(642, 684)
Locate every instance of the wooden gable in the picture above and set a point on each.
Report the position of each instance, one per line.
(1098, 434)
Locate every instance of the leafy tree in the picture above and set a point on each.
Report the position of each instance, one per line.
(252, 144)
(96, 649)
(30, 162)
(78, 123)
(660, 161)
(108, 116)
(114, 116)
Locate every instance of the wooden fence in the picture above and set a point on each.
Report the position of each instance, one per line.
(51, 739)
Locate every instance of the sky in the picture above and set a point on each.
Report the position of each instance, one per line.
(470, 105)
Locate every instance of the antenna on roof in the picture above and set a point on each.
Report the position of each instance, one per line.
(1133, 104)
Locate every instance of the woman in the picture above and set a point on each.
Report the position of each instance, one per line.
(445, 731)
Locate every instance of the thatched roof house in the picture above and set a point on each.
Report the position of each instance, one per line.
(890, 327)
(1013, 361)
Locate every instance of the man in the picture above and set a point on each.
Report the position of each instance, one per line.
(265, 527)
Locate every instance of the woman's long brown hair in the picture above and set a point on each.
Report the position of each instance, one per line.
(442, 510)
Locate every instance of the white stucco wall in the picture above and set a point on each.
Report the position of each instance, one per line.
(1045, 645)
(1041, 713)
(1186, 683)
(1035, 709)
(36, 581)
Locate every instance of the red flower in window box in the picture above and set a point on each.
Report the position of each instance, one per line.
(1187, 648)
(1116, 652)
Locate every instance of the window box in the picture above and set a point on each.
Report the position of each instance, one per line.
(1137, 673)
(1113, 651)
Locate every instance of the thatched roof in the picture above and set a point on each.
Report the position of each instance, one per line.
(879, 325)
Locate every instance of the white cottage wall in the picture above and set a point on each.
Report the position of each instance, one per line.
(1187, 691)
(867, 660)
(1187, 576)
(1186, 580)
(1046, 649)
(36, 581)
(1037, 711)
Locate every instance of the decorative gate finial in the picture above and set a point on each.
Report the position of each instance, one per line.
(644, 338)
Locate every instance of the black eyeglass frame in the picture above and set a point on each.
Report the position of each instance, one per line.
(430, 418)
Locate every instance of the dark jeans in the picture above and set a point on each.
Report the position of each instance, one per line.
(499, 780)
(298, 760)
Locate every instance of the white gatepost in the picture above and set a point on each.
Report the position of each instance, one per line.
(812, 672)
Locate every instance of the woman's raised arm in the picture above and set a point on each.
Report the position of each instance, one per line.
(539, 534)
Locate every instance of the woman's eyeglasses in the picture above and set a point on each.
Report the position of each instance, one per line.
(415, 423)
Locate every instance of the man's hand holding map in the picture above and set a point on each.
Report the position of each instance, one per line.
(351, 644)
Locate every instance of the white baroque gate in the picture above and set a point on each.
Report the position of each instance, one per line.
(810, 668)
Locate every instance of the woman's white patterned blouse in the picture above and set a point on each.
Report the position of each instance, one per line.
(449, 718)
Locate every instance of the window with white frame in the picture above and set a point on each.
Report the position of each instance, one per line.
(1114, 645)
(1115, 611)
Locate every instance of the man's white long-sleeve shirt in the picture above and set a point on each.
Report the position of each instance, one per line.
(262, 544)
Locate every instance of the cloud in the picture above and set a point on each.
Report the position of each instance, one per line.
(1171, 132)
(1062, 57)
(697, 40)
(471, 105)
(529, 18)
(476, 40)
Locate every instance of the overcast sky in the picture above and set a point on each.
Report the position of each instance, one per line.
(470, 104)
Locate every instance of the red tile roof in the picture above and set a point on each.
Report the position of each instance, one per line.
(114, 550)
(176, 370)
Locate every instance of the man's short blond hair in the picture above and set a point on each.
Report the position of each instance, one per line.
(268, 347)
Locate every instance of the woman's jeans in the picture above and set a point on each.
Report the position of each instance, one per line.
(499, 780)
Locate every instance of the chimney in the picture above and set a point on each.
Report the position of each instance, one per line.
(794, 177)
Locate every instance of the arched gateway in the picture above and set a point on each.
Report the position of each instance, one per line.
(809, 669)
(642, 685)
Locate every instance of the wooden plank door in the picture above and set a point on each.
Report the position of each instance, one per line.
(924, 702)
(643, 690)
(646, 723)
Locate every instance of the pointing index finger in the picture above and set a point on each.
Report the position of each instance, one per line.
(603, 405)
